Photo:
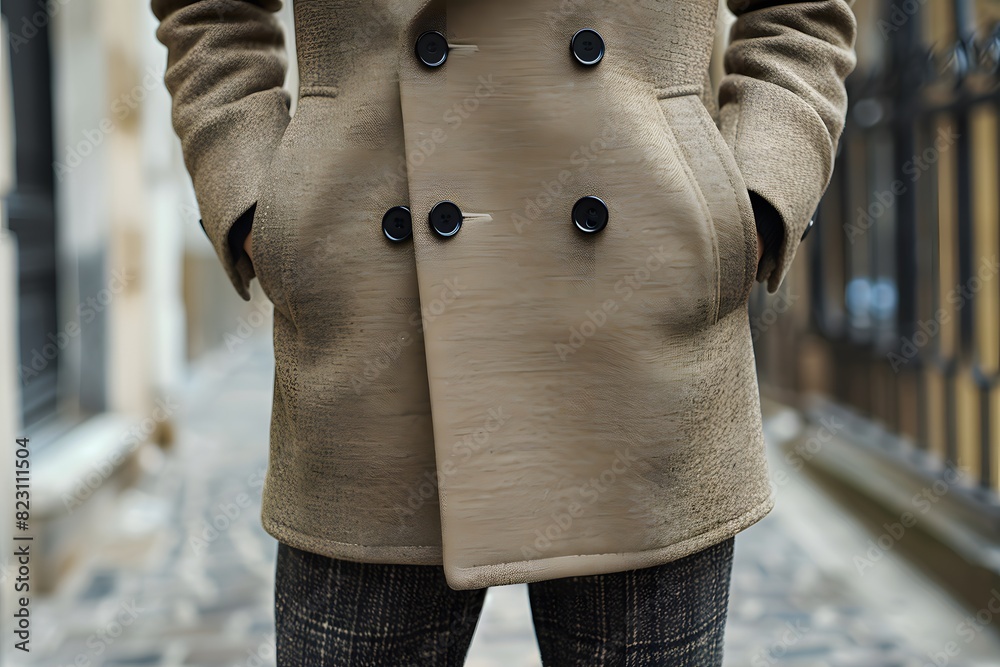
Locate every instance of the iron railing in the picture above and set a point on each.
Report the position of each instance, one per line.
(902, 272)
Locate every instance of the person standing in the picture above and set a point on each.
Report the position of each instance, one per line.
(509, 247)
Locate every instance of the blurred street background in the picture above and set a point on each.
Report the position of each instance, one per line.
(144, 382)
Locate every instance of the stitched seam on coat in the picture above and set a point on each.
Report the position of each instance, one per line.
(318, 91)
(327, 540)
(274, 292)
(711, 216)
(759, 510)
(679, 90)
(736, 143)
(714, 142)
(713, 315)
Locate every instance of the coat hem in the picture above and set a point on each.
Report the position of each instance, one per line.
(517, 572)
(361, 553)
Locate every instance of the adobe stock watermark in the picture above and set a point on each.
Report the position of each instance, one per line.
(247, 325)
(927, 330)
(427, 144)
(921, 503)
(626, 287)
(773, 653)
(885, 199)
(777, 305)
(537, 206)
(21, 34)
(264, 654)
(224, 516)
(803, 452)
(466, 448)
(121, 107)
(86, 312)
(102, 470)
(389, 353)
(101, 641)
(899, 14)
(968, 629)
(588, 493)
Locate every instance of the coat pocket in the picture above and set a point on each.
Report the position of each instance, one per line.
(268, 239)
(721, 185)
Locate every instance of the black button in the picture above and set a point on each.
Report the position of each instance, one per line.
(445, 218)
(808, 227)
(397, 224)
(432, 48)
(590, 215)
(587, 46)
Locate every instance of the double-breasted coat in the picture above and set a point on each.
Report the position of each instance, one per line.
(509, 246)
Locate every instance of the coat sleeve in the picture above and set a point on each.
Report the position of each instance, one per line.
(782, 108)
(225, 70)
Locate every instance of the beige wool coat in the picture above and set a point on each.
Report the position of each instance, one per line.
(549, 371)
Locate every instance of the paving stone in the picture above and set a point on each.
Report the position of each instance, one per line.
(209, 604)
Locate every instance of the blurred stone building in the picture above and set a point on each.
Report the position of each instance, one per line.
(108, 287)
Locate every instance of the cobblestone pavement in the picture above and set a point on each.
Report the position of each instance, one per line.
(184, 572)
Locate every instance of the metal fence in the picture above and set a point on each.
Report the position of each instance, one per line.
(901, 272)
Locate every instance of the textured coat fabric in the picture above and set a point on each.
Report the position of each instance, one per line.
(521, 401)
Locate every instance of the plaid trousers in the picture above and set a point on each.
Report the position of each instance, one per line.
(334, 612)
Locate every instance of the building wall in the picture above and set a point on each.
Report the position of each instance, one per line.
(138, 282)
